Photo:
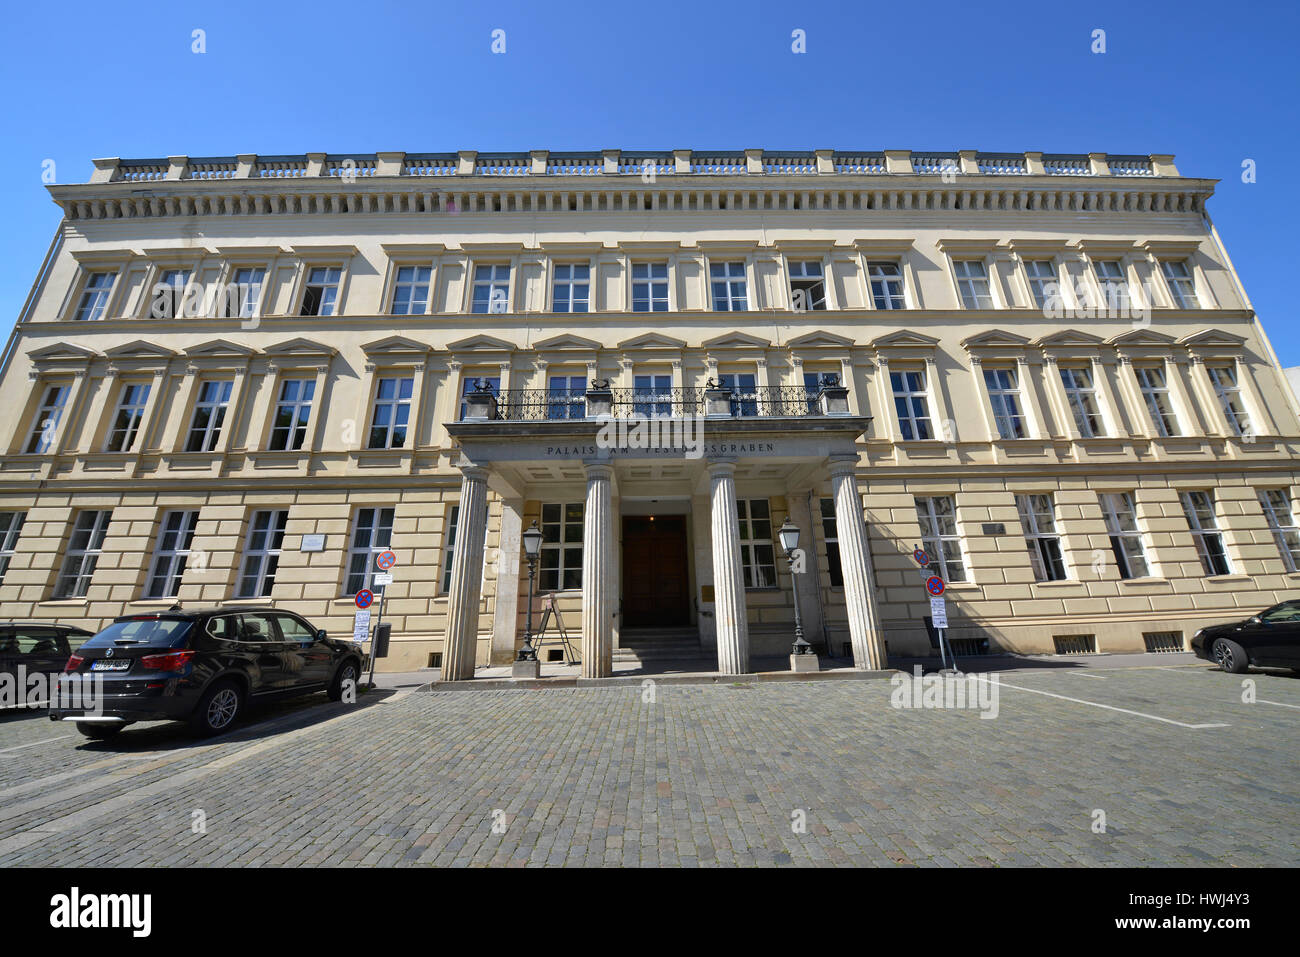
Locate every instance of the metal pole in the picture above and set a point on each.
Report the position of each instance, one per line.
(375, 638)
(528, 652)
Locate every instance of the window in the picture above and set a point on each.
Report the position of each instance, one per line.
(566, 397)
(209, 415)
(830, 532)
(94, 297)
(1110, 277)
(491, 289)
(912, 403)
(262, 553)
(1043, 285)
(1125, 538)
(449, 546)
(561, 566)
(757, 556)
(1276, 503)
(174, 539)
(292, 413)
(392, 412)
(11, 523)
(243, 295)
(320, 296)
(1155, 392)
(744, 394)
(372, 532)
(728, 281)
(572, 289)
(83, 554)
(127, 418)
(46, 423)
(652, 395)
(1181, 285)
(1199, 509)
(1004, 394)
(886, 285)
(1224, 380)
(1037, 518)
(973, 282)
(169, 294)
(470, 384)
(807, 287)
(411, 291)
(649, 287)
(1082, 399)
(937, 516)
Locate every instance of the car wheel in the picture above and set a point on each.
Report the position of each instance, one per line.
(347, 672)
(99, 732)
(1231, 657)
(217, 709)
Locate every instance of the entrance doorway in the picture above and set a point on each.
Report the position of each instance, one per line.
(656, 585)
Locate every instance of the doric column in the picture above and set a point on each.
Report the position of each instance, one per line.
(459, 645)
(505, 619)
(855, 561)
(597, 574)
(728, 577)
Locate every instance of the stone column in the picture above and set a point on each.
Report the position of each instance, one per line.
(597, 574)
(505, 618)
(728, 577)
(855, 560)
(459, 644)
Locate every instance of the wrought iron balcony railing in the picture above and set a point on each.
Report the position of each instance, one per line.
(559, 404)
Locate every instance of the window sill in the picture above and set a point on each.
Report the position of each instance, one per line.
(1234, 577)
(154, 602)
(1062, 583)
(65, 603)
(1148, 580)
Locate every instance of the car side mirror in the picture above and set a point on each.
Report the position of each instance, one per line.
(321, 635)
(1256, 620)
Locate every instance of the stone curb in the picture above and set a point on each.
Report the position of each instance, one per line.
(542, 684)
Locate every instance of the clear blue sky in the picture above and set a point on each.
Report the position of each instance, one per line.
(1213, 83)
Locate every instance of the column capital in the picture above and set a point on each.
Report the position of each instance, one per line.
(474, 473)
(722, 465)
(598, 470)
(846, 464)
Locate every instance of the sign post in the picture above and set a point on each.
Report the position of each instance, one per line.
(384, 561)
(935, 587)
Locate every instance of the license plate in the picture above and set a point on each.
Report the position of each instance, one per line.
(108, 664)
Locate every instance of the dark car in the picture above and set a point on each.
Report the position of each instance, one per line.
(1270, 639)
(200, 666)
(39, 647)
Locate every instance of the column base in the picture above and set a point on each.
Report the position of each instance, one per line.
(526, 669)
(805, 663)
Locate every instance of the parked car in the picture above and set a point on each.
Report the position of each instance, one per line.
(1270, 639)
(203, 667)
(40, 647)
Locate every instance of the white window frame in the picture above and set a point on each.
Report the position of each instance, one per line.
(376, 541)
(571, 283)
(1042, 289)
(1012, 409)
(134, 412)
(171, 552)
(497, 283)
(1158, 399)
(263, 545)
(1126, 540)
(248, 293)
(331, 281)
(556, 553)
(299, 409)
(93, 301)
(735, 273)
(1102, 273)
(79, 561)
(908, 419)
(468, 383)
(944, 549)
(1204, 533)
(217, 411)
(413, 303)
(1039, 539)
(1182, 289)
(968, 283)
(753, 569)
(11, 526)
(798, 271)
(1081, 397)
(49, 416)
(397, 404)
(1231, 398)
(1276, 504)
(652, 298)
(877, 273)
(831, 535)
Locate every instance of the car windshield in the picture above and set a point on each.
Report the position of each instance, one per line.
(150, 632)
(1287, 611)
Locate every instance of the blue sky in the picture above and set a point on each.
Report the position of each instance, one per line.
(1213, 83)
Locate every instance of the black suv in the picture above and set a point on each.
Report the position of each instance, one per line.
(201, 667)
(1269, 639)
(39, 647)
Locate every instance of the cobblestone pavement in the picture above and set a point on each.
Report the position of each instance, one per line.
(703, 775)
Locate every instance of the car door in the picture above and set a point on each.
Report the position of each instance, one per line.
(1277, 641)
(259, 641)
(316, 658)
(39, 649)
(8, 651)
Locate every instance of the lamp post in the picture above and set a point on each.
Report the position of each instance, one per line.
(532, 545)
(788, 534)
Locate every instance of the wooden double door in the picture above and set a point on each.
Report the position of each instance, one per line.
(656, 580)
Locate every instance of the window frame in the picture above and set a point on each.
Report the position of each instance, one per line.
(1230, 395)
(649, 281)
(1008, 394)
(398, 404)
(557, 552)
(752, 565)
(376, 529)
(812, 282)
(44, 432)
(11, 527)
(938, 544)
(103, 295)
(885, 294)
(831, 536)
(1123, 540)
(266, 557)
(1182, 299)
(1163, 415)
(86, 558)
(1288, 551)
(491, 283)
(212, 432)
(729, 279)
(967, 289)
(168, 563)
(131, 431)
(1083, 402)
(1046, 566)
(333, 304)
(1037, 284)
(571, 282)
(908, 421)
(413, 284)
(1202, 534)
(300, 414)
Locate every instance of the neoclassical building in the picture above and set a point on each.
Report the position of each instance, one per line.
(238, 379)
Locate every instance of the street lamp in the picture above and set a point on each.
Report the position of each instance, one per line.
(788, 534)
(532, 545)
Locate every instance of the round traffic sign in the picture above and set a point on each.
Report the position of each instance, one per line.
(920, 557)
(934, 585)
(385, 560)
(364, 598)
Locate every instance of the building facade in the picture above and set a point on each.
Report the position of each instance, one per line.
(241, 378)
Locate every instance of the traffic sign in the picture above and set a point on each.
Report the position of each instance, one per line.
(939, 612)
(361, 626)
(934, 585)
(920, 557)
(365, 598)
(385, 560)
(382, 579)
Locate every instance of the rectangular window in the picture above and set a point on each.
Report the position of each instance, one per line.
(11, 523)
(937, 516)
(561, 565)
(1110, 278)
(127, 417)
(1038, 519)
(372, 532)
(94, 297)
(1224, 380)
(886, 285)
(320, 297)
(292, 413)
(830, 532)
(176, 534)
(262, 553)
(912, 403)
(757, 556)
(728, 282)
(1043, 285)
(411, 291)
(649, 287)
(1276, 503)
(973, 281)
(243, 295)
(84, 547)
(1199, 509)
(652, 395)
(1155, 392)
(744, 393)
(491, 289)
(566, 397)
(1182, 287)
(807, 286)
(1125, 537)
(209, 415)
(470, 384)
(1004, 394)
(572, 289)
(169, 294)
(1082, 398)
(46, 424)
(392, 413)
